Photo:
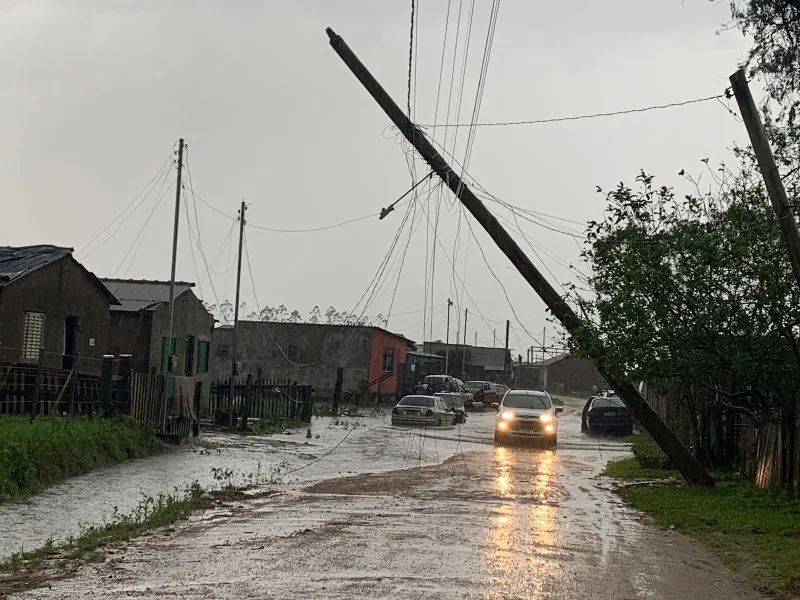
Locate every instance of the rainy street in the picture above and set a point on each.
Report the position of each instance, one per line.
(372, 511)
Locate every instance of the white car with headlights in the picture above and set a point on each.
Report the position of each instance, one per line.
(527, 415)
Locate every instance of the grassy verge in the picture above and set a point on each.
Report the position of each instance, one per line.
(49, 450)
(25, 570)
(752, 530)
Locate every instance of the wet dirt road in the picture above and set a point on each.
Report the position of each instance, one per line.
(487, 523)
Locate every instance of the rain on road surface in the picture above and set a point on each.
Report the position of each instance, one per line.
(487, 523)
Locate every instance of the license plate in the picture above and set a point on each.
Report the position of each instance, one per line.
(409, 412)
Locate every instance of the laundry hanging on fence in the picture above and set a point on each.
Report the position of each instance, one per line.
(183, 398)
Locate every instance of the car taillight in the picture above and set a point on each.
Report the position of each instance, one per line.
(429, 413)
(395, 411)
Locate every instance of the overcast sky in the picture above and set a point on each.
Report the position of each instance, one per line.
(96, 93)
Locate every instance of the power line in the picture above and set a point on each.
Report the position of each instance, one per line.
(579, 117)
(141, 197)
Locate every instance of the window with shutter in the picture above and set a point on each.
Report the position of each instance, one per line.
(32, 337)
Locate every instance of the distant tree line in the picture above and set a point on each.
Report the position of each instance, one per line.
(224, 313)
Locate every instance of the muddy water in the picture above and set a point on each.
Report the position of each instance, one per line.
(366, 444)
(489, 523)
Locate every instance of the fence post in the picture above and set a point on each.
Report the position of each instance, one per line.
(105, 384)
(37, 385)
(124, 395)
(337, 390)
(74, 386)
(248, 390)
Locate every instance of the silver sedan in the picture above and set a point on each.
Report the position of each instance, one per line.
(423, 411)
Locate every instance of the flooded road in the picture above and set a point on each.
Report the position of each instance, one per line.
(485, 523)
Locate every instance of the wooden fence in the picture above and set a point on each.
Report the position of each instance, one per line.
(261, 399)
(28, 390)
(151, 398)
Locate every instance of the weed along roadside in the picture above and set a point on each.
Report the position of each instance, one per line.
(34, 455)
(30, 569)
(752, 530)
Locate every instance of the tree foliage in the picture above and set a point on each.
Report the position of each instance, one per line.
(697, 287)
(224, 313)
(774, 58)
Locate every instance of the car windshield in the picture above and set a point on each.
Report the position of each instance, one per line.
(416, 401)
(612, 402)
(434, 380)
(513, 400)
(473, 384)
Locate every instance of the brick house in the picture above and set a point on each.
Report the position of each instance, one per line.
(49, 300)
(139, 326)
(310, 353)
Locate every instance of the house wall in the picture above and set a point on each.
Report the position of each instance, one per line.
(573, 374)
(129, 333)
(326, 346)
(59, 290)
(380, 341)
(190, 318)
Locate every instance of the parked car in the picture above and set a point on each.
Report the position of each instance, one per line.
(456, 402)
(501, 390)
(425, 411)
(483, 391)
(606, 415)
(527, 415)
(434, 384)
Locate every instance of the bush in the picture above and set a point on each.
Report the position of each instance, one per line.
(49, 450)
(648, 454)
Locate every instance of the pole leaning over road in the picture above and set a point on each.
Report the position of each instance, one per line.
(689, 466)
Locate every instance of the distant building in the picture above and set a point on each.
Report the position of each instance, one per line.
(565, 373)
(310, 353)
(49, 300)
(482, 363)
(139, 326)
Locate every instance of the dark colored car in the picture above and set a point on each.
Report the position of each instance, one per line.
(606, 415)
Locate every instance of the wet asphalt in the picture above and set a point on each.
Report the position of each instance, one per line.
(406, 514)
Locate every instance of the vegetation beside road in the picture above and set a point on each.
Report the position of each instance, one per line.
(25, 570)
(52, 449)
(754, 531)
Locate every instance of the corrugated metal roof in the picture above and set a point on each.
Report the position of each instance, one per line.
(18, 262)
(135, 295)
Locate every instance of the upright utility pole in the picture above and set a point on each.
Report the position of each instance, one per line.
(236, 306)
(769, 170)
(544, 344)
(447, 341)
(494, 338)
(464, 351)
(508, 326)
(688, 465)
(174, 251)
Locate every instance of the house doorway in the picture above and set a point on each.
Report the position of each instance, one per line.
(70, 343)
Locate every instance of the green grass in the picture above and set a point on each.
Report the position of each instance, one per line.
(752, 530)
(49, 450)
(166, 509)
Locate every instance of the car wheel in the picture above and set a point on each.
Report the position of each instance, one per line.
(584, 427)
(553, 443)
(498, 440)
(438, 423)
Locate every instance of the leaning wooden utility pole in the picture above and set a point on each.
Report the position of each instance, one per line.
(769, 170)
(688, 465)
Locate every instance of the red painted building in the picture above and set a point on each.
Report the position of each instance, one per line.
(387, 352)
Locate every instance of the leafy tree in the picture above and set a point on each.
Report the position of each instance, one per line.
(774, 58)
(698, 288)
(280, 314)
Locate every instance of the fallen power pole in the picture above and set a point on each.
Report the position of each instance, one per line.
(689, 466)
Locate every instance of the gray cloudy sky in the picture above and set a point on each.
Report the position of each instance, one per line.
(96, 92)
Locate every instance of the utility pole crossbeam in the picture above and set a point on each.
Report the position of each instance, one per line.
(769, 170)
(688, 465)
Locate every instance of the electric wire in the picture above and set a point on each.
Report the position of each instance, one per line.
(579, 117)
(138, 200)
